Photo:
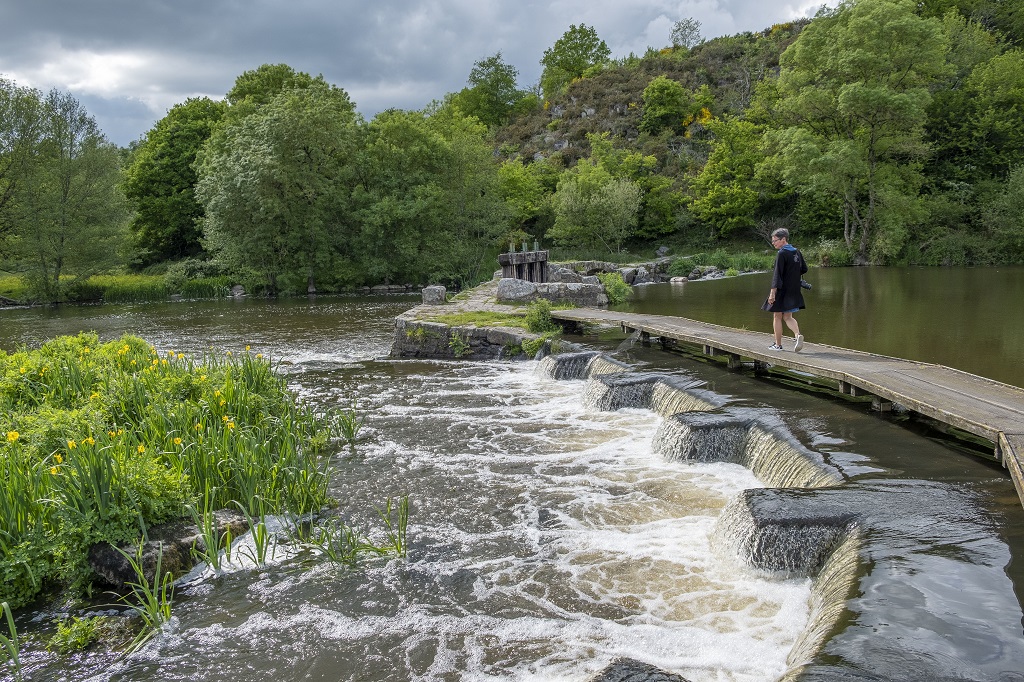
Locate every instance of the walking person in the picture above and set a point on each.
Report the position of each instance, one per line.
(785, 298)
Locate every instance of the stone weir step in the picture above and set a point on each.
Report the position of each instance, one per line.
(985, 408)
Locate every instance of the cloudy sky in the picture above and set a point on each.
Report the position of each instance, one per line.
(128, 61)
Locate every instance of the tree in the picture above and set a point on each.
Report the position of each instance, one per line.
(430, 205)
(578, 49)
(594, 209)
(527, 189)
(854, 90)
(160, 181)
(1005, 217)
(492, 94)
(22, 119)
(70, 210)
(725, 195)
(996, 123)
(670, 106)
(686, 33)
(276, 185)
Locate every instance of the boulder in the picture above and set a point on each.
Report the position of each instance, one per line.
(434, 295)
(627, 274)
(515, 290)
(171, 542)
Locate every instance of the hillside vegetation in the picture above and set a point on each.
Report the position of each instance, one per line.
(881, 131)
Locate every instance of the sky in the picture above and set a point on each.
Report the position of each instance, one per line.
(129, 61)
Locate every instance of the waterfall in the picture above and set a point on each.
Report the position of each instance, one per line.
(834, 585)
(743, 437)
(674, 394)
(580, 365)
(780, 461)
(567, 365)
(625, 389)
(701, 437)
(761, 527)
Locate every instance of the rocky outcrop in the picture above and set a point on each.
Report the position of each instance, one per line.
(434, 295)
(172, 543)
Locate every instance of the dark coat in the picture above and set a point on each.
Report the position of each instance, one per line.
(789, 268)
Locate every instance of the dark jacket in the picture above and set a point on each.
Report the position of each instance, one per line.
(789, 267)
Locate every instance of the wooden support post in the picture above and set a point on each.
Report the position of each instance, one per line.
(645, 339)
(761, 367)
(879, 404)
(734, 361)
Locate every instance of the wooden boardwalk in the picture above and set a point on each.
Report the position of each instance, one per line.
(983, 407)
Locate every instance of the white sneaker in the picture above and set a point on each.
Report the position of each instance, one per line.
(775, 346)
(799, 343)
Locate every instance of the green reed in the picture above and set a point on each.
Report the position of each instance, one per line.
(151, 601)
(396, 525)
(10, 647)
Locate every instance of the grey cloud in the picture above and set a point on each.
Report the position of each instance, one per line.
(128, 61)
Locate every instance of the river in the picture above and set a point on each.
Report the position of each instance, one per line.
(548, 538)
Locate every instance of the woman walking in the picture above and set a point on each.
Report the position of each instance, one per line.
(785, 297)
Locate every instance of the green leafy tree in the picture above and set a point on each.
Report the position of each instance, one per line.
(593, 209)
(854, 91)
(259, 86)
(22, 120)
(1005, 217)
(725, 191)
(276, 185)
(577, 50)
(996, 123)
(491, 95)
(670, 106)
(527, 189)
(431, 208)
(70, 211)
(160, 181)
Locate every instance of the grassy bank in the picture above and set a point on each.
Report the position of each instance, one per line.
(100, 441)
(115, 289)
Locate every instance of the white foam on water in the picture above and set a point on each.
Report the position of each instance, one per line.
(547, 541)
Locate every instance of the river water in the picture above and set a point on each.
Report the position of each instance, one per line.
(547, 537)
(968, 318)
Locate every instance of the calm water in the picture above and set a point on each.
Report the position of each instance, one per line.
(968, 318)
(547, 539)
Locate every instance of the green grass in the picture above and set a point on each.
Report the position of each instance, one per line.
(481, 318)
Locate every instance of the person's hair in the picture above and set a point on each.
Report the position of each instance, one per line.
(781, 233)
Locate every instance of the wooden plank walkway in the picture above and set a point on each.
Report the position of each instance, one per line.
(983, 407)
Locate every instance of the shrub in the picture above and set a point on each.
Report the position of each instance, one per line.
(538, 317)
(828, 253)
(615, 287)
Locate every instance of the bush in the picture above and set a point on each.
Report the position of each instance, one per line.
(830, 253)
(538, 317)
(615, 287)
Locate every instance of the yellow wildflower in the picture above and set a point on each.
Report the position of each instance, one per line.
(247, 347)
(199, 427)
(94, 395)
(224, 418)
(177, 441)
(202, 377)
(181, 356)
(86, 350)
(12, 436)
(23, 370)
(58, 458)
(259, 355)
(216, 394)
(223, 402)
(140, 449)
(72, 445)
(90, 440)
(53, 471)
(231, 425)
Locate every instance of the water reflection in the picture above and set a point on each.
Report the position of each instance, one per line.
(967, 318)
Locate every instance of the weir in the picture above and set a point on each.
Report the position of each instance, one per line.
(869, 548)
